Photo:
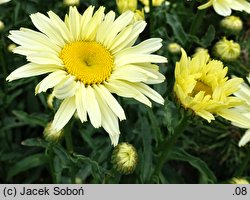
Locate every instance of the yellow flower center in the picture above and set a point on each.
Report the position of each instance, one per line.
(200, 86)
(89, 62)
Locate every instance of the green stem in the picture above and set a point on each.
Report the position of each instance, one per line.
(151, 17)
(51, 162)
(168, 144)
(68, 137)
(69, 146)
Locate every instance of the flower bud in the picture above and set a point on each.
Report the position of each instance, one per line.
(11, 47)
(174, 48)
(232, 24)
(71, 2)
(2, 26)
(51, 135)
(226, 50)
(124, 158)
(124, 5)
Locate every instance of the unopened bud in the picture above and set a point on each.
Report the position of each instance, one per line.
(232, 24)
(124, 5)
(124, 158)
(174, 48)
(226, 50)
(51, 135)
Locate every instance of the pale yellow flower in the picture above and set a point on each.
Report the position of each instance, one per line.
(225, 7)
(227, 50)
(202, 86)
(244, 94)
(89, 56)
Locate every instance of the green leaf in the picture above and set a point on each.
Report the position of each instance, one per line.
(206, 175)
(208, 37)
(37, 119)
(146, 158)
(172, 116)
(26, 164)
(177, 28)
(34, 142)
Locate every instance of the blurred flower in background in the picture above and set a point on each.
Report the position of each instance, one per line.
(202, 86)
(239, 181)
(154, 2)
(225, 7)
(125, 5)
(226, 50)
(174, 48)
(89, 57)
(71, 2)
(4, 1)
(244, 94)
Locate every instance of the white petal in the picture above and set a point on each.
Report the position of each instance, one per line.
(138, 58)
(145, 47)
(133, 73)
(85, 19)
(64, 113)
(119, 24)
(109, 120)
(245, 138)
(81, 102)
(45, 58)
(111, 101)
(149, 92)
(93, 109)
(222, 8)
(137, 29)
(235, 116)
(125, 89)
(50, 81)
(45, 25)
(61, 26)
(33, 40)
(31, 69)
(66, 88)
(90, 32)
(104, 27)
(74, 23)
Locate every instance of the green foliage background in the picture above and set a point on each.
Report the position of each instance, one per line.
(203, 153)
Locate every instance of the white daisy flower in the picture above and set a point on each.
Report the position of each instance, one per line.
(88, 57)
(225, 7)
